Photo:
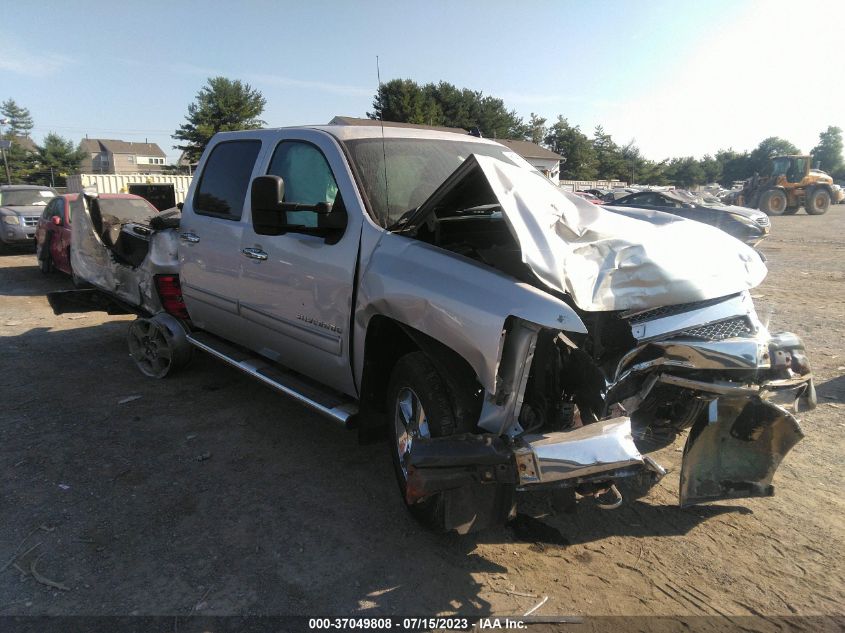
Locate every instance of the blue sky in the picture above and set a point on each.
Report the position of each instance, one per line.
(681, 78)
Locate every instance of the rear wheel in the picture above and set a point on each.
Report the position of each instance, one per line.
(45, 260)
(817, 201)
(419, 407)
(158, 345)
(773, 202)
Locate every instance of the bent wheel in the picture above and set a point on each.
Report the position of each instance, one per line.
(158, 345)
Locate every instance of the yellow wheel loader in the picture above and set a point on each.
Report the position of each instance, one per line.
(792, 184)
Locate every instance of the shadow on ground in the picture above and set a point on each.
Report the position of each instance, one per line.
(153, 496)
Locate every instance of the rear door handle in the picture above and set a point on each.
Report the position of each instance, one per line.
(191, 238)
(255, 253)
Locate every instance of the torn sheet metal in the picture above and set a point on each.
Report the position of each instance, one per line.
(736, 453)
(93, 262)
(595, 449)
(608, 260)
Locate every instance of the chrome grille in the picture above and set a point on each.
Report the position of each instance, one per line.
(666, 311)
(762, 220)
(30, 220)
(737, 326)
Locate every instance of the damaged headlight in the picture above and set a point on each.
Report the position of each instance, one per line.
(11, 219)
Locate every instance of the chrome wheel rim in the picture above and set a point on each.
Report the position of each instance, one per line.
(150, 348)
(410, 422)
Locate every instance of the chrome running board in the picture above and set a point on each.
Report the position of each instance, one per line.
(330, 403)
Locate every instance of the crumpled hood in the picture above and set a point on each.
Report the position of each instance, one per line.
(613, 260)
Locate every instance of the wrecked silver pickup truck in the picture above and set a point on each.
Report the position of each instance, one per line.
(434, 288)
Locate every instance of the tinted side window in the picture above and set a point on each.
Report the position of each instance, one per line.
(307, 176)
(50, 210)
(222, 188)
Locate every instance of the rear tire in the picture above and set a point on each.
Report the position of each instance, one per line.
(817, 201)
(418, 406)
(773, 202)
(45, 260)
(158, 345)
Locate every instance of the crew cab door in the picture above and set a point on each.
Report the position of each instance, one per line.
(296, 288)
(210, 235)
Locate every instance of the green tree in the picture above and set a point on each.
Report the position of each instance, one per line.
(536, 129)
(405, 101)
(57, 158)
(223, 105)
(570, 142)
(611, 163)
(711, 169)
(829, 150)
(760, 157)
(735, 166)
(19, 119)
(684, 172)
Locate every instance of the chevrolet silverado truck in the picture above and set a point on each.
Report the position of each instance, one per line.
(435, 289)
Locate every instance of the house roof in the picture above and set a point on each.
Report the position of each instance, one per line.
(25, 143)
(349, 120)
(121, 147)
(527, 149)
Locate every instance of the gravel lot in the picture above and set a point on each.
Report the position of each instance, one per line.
(208, 493)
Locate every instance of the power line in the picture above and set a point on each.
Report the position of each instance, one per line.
(49, 127)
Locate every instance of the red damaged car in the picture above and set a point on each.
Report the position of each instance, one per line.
(52, 237)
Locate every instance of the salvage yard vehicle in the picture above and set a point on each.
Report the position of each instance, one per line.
(437, 289)
(113, 212)
(790, 185)
(20, 207)
(748, 225)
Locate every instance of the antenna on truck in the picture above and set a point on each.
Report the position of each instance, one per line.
(383, 152)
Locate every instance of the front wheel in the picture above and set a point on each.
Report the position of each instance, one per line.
(817, 202)
(773, 202)
(418, 407)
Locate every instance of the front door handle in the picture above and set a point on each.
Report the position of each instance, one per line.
(191, 238)
(255, 253)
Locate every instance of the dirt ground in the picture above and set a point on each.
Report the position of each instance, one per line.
(207, 493)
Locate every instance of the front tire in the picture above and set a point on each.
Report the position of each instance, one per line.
(817, 201)
(773, 202)
(418, 406)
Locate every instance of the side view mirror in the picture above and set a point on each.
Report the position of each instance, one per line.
(56, 220)
(179, 205)
(269, 211)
